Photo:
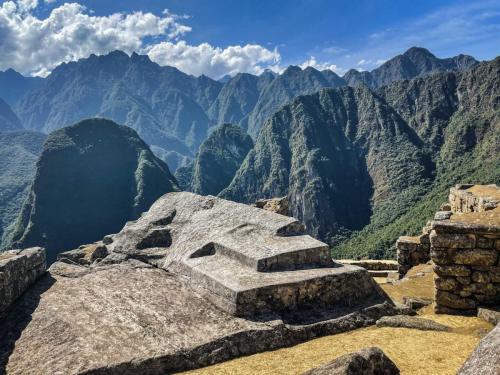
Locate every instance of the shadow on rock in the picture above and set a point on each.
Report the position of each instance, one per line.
(18, 317)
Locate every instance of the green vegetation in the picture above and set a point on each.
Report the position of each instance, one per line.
(219, 157)
(91, 178)
(362, 168)
(18, 155)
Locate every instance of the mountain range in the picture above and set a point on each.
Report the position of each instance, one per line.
(362, 167)
(173, 111)
(356, 155)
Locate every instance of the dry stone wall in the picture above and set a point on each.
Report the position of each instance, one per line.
(466, 263)
(463, 199)
(412, 251)
(465, 250)
(19, 269)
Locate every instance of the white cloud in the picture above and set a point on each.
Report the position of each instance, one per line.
(312, 62)
(35, 46)
(32, 45)
(213, 61)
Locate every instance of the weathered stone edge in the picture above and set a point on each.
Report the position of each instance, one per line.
(458, 227)
(243, 343)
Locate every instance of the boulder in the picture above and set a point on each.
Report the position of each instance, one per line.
(277, 205)
(369, 361)
(491, 315)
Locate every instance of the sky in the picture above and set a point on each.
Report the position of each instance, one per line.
(219, 37)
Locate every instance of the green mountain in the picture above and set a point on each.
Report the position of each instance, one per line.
(19, 152)
(416, 62)
(91, 178)
(8, 119)
(293, 82)
(363, 167)
(219, 157)
(165, 106)
(173, 111)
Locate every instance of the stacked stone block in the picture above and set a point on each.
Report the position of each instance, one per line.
(466, 263)
(412, 251)
(19, 269)
(463, 201)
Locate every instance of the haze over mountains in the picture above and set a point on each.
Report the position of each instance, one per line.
(354, 154)
(173, 111)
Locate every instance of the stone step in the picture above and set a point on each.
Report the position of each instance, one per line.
(373, 264)
(244, 291)
(380, 273)
(274, 254)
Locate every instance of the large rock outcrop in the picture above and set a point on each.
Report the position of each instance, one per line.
(91, 178)
(484, 359)
(194, 281)
(216, 162)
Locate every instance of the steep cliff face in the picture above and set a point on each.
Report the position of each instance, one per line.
(338, 155)
(293, 82)
(165, 106)
(457, 118)
(361, 164)
(8, 119)
(13, 86)
(219, 157)
(91, 178)
(19, 152)
(238, 97)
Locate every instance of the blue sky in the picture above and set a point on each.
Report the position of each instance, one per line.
(216, 37)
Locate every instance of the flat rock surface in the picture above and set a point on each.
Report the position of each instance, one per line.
(404, 321)
(132, 318)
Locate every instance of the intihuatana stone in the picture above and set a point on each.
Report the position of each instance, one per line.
(244, 259)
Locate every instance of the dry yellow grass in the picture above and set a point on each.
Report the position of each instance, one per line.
(413, 351)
